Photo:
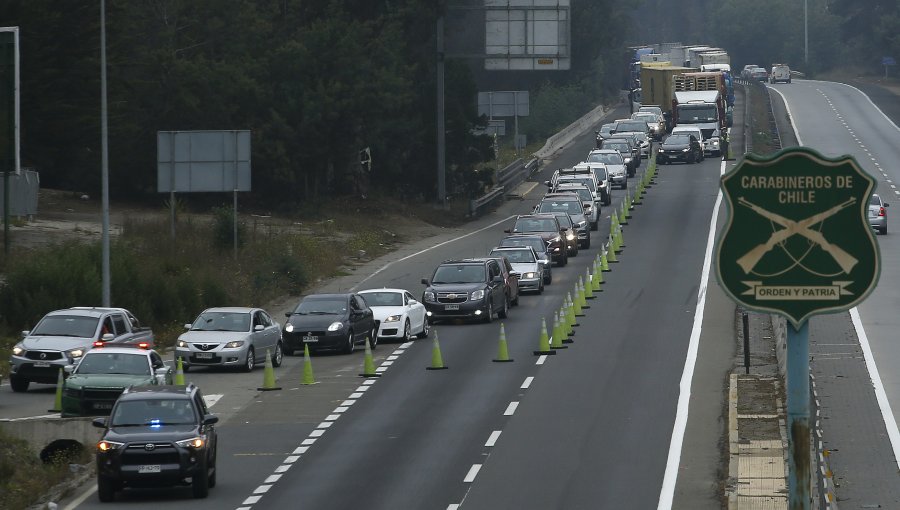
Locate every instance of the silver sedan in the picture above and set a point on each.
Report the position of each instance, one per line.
(232, 336)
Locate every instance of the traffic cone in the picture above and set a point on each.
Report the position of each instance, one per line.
(57, 402)
(437, 362)
(589, 286)
(566, 329)
(368, 362)
(268, 375)
(179, 372)
(543, 341)
(570, 310)
(557, 343)
(604, 262)
(597, 280)
(308, 377)
(620, 239)
(579, 296)
(558, 328)
(613, 222)
(503, 349)
(611, 254)
(637, 193)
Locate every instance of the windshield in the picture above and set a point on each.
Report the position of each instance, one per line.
(875, 200)
(459, 273)
(652, 109)
(677, 140)
(583, 194)
(322, 306)
(589, 183)
(153, 413)
(515, 256)
(619, 146)
(535, 243)
(113, 363)
(624, 127)
(222, 321)
(535, 225)
(606, 158)
(67, 325)
(383, 298)
(564, 220)
(646, 117)
(690, 114)
(566, 206)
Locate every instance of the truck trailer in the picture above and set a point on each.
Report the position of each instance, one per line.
(658, 87)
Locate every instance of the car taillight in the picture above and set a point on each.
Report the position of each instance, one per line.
(143, 345)
(98, 343)
(881, 211)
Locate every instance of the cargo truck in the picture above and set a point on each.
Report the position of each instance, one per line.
(658, 87)
(706, 110)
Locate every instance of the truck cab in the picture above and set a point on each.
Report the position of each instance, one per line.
(705, 110)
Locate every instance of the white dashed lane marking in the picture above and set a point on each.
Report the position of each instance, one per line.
(527, 383)
(492, 440)
(511, 409)
(473, 472)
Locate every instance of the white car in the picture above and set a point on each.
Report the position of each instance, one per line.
(230, 336)
(526, 265)
(398, 315)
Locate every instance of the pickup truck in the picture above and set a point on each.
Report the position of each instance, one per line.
(62, 337)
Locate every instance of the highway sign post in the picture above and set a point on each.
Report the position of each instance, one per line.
(797, 243)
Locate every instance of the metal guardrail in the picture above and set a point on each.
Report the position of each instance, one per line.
(508, 179)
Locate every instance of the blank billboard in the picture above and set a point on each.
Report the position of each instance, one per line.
(527, 35)
(202, 161)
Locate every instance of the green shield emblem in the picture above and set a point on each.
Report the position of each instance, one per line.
(798, 240)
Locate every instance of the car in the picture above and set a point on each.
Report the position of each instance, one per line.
(878, 214)
(656, 122)
(780, 73)
(466, 289)
(571, 232)
(625, 149)
(679, 147)
(759, 73)
(548, 227)
(604, 132)
(397, 313)
(103, 373)
(599, 184)
(330, 322)
(691, 130)
(637, 149)
(616, 167)
(157, 436)
(236, 337)
(525, 266)
(659, 112)
(570, 204)
(539, 246)
(746, 72)
(588, 200)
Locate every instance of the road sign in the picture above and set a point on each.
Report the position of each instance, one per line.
(888, 61)
(798, 241)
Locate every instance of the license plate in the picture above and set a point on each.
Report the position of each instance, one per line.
(41, 364)
(149, 468)
(310, 339)
(102, 405)
(205, 355)
(451, 307)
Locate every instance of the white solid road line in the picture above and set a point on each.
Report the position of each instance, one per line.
(667, 493)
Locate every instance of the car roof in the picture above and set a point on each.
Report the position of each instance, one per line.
(231, 309)
(504, 248)
(386, 289)
(557, 195)
(84, 311)
(118, 350)
(463, 261)
(159, 391)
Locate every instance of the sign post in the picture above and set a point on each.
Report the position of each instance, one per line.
(797, 243)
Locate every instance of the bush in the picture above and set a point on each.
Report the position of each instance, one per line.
(223, 228)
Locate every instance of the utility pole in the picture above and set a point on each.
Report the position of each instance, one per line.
(805, 36)
(441, 129)
(104, 157)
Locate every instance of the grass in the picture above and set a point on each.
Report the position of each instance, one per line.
(759, 122)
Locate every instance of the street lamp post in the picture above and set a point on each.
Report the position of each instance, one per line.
(104, 157)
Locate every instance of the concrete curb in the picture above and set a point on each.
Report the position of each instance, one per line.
(570, 132)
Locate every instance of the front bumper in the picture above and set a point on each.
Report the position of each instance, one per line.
(390, 329)
(297, 339)
(619, 180)
(39, 371)
(466, 310)
(175, 464)
(711, 146)
(89, 401)
(217, 357)
(664, 157)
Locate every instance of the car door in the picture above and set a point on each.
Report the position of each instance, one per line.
(272, 331)
(416, 311)
(121, 332)
(511, 279)
(361, 320)
(257, 338)
(498, 292)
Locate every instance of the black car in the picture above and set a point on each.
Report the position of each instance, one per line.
(157, 436)
(626, 149)
(548, 227)
(330, 321)
(466, 289)
(679, 147)
(540, 248)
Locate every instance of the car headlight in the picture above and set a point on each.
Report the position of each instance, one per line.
(18, 350)
(529, 276)
(194, 442)
(335, 326)
(105, 446)
(182, 344)
(289, 327)
(429, 296)
(392, 318)
(570, 236)
(581, 224)
(234, 345)
(556, 239)
(478, 294)
(685, 150)
(75, 353)
(715, 143)
(73, 392)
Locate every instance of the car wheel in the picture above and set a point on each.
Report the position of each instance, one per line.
(373, 338)
(515, 302)
(106, 489)
(407, 332)
(595, 225)
(18, 384)
(278, 356)
(212, 477)
(883, 230)
(425, 328)
(250, 364)
(548, 278)
(351, 345)
(587, 243)
(504, 312)
(185, 367)
(490, 312)
(541, 287)
(200, 481)
(608, 200)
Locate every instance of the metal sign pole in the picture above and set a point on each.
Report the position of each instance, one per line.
(798, 416)
(235, 194)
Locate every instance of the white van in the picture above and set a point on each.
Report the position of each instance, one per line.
(780, 72)
(693, 130)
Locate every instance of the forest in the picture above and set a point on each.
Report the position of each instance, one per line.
(317, 80)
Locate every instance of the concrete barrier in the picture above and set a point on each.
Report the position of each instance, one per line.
(45, 434)
(570, 132)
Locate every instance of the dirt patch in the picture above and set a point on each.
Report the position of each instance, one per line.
(758, 429)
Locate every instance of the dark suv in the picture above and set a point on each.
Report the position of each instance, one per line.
(157, 436)
(548, 227)
(467, 289)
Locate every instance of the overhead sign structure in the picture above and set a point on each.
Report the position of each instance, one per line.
(512, 103)
(798, 241)
(522, 35)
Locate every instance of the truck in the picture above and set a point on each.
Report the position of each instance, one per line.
(714, 61)
(658, 87)
(706, 110)
(62, 337)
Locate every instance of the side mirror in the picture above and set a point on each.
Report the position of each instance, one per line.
(548, 183)
(508, 231)
(187, 326)
(258, 327)
(563, 230)
(210, 419)
(107, 337)
(288, 314)
(100, 423)
(413, 302)
(25, 333)
(162, 371)
(887, 204)
(497, 279)
(68, 369)
(425, 281)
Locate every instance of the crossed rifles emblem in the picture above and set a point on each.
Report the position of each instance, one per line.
(791, 228)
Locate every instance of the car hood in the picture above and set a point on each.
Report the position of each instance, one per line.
(379, 313)
(674, 146)
(146, 434)
(457, 287)
(615, 169)
(525, 267)
(54, 343)
(107, 380)
(213, 337)
(314, 322)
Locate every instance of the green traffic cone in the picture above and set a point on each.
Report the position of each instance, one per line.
(57, 402)
(622, 219)
(308, 377)
(437, 362)
(597, 280)
(589, 287)
(558, 329)
(620, 239)
(368, 362)
(503, 349)
(611, 254)
(179, 372)
(557, 343)
(565, 327)
(604, 262)
(543, 341)
(268, 375)
(570, 310)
